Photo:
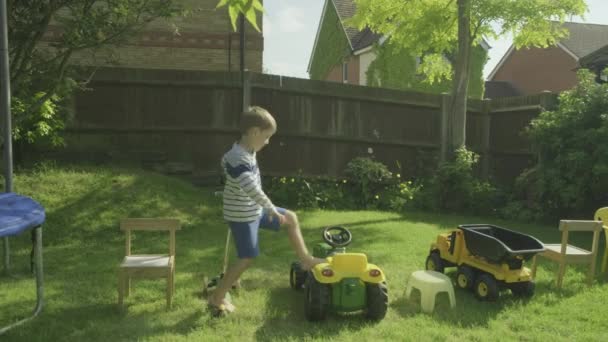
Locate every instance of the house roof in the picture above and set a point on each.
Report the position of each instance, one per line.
(585, 38)
(358, 39)
(596, 59)
(496, 89)
(582, 41)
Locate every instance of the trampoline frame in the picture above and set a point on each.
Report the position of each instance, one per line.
(39, 279)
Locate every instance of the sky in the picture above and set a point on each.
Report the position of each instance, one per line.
(290, 27)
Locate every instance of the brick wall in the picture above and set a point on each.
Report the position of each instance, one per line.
(204, 40)
(535, 70)
(335, 74)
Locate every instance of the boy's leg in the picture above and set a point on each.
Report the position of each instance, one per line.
(297, 241)
(295, 237)
(245, 235)
(230, 277)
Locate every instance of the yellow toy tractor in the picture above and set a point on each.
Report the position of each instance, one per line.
(345, 283)
(489, 258)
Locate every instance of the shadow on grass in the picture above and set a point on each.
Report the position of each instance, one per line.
(285, 319)
(101, 322)
(471, 312)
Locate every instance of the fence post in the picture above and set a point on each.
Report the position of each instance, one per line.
(548, 100)
(246, 90)
(445, 105)
(485, 138)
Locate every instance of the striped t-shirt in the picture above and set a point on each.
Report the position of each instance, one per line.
(243, 195)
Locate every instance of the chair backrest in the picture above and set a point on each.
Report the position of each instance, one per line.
(567, 226)
(602, 215)
(150, 224)
(580, 226)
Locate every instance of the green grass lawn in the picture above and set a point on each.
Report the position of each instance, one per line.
(83, 247)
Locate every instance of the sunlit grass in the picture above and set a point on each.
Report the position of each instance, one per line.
(83, 246)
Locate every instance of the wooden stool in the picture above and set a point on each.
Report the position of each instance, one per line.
(430, 283)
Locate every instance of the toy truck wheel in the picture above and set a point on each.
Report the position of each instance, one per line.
(486, 288)
(317, 299)
(377, 301)
(297, 276)
(523, 289)
(465, 277)
(434, 262)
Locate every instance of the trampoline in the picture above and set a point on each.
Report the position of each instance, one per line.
(19, 214)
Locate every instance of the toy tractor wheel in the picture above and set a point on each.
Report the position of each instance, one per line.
(486, 288)
(318, 298)
(465, 277)
(434, 262)
(377, 301)
(523, 289)
(297, 276)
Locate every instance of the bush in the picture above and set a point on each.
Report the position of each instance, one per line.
(571, 175)
(369, 186)
(454, 187)
(369, 179)
(308, 192)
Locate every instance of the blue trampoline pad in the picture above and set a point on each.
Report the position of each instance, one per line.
(18, 214)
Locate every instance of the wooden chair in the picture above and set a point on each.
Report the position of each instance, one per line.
(568, 254)
(602, 215)
(147, 265)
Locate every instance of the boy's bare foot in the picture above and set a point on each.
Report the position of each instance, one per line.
(311, 262)
(223, 304)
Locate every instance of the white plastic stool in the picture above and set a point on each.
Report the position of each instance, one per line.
(430, 283)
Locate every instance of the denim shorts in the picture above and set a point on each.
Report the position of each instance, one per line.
(246, 233)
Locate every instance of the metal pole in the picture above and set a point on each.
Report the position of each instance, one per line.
(244, 81)
(5, 106)
(242, 43)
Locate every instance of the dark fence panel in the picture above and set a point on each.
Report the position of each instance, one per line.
(191, 118)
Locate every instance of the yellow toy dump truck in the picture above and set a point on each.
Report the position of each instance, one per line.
(489, 258)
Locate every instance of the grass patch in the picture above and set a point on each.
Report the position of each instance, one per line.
(83, 246)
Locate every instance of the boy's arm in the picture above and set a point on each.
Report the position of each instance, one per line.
(250, 186)
(244, 175)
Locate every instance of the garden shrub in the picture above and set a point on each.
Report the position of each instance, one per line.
(454, 187)
(570, 177)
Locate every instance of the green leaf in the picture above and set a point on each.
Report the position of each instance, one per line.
(233, 12)
(222, 3)
(257, 5)
(251, 17)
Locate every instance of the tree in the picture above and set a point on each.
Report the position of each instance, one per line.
(41, 75)
(436, 29)
(247, 8)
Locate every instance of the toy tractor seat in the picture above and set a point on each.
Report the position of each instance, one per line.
(354, 263)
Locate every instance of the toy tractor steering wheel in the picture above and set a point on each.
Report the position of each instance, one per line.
(337, 236)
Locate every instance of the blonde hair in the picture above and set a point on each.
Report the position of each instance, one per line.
(257, 117)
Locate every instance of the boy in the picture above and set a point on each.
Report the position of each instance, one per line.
(246, 206)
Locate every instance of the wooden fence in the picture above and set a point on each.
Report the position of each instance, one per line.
(191, 117)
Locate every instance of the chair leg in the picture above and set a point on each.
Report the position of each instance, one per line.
(534, 265)
(169, 288)
(173, 282)
(560, 274)
(121, 288)
(605, 260)
(127, 280)
(591, 273)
